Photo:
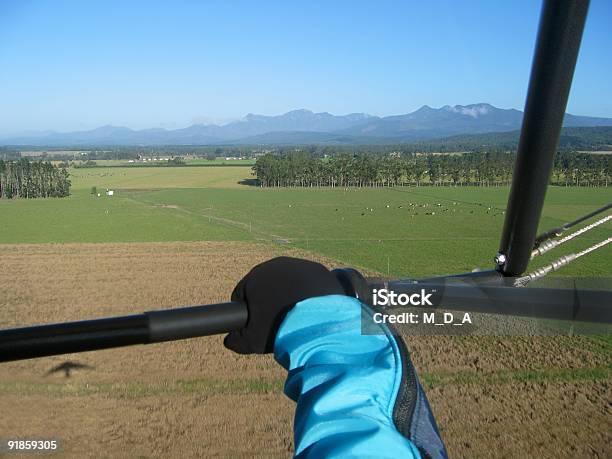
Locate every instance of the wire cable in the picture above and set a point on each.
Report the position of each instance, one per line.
(556, 232)
(558, 264)
(551, 244)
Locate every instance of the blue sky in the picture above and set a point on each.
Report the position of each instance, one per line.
(78, 65)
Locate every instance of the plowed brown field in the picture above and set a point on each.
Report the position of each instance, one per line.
(493, 397)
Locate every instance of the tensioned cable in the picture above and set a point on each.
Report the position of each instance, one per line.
(556, 232)
(558, 264)
(551, 244)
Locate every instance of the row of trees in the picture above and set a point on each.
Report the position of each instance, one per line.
(582, 169)
(32, 179)
(300, 168)
(97, 153)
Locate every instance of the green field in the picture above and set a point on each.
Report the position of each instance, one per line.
(400, 231)
(129, 178)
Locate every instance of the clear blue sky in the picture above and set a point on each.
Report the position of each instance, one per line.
(68, 65)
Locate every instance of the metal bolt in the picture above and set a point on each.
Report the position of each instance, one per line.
(500, 259)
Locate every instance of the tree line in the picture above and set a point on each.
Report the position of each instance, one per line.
(303, 169)
(32, 179)
(96, 152)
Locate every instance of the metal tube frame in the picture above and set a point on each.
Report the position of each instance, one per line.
(560, 33)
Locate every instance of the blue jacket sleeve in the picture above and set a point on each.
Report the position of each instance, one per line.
(357, 394)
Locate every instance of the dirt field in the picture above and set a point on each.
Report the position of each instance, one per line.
(510, 397)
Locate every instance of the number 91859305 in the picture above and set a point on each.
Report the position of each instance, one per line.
(8, 445)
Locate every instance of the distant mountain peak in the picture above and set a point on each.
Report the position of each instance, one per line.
(424, 108)
(300, 111)
(298, 114)
(473, 110)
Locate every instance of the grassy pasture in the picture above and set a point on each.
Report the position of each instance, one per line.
(83, 218)
(401, 231)
(357, 228)
(158, 177)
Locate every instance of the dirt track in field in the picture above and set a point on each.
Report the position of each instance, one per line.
(493, 397)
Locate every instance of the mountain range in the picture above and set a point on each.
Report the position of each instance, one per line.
(306, 127)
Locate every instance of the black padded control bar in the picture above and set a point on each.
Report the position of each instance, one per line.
(149, 327)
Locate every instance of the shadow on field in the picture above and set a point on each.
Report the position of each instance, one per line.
(248, 182)
(67, 367)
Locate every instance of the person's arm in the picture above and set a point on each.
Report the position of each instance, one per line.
(357, 394)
